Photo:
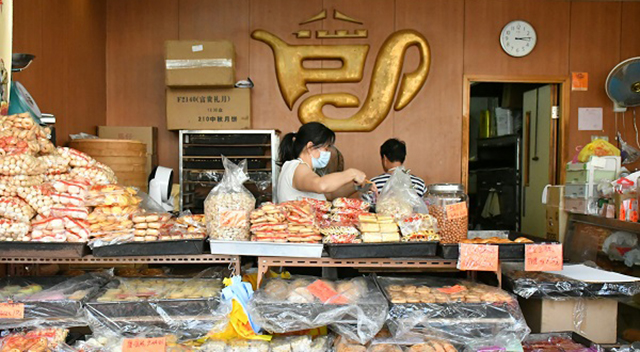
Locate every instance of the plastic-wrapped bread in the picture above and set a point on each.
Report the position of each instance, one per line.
(39, 197)
(59, 229)
(21, 164)
(76, 158)
(14, 231)
(97, 175)
(55, 163)
(14, 208)
(9, 184)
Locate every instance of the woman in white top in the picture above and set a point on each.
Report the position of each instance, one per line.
(303, 152)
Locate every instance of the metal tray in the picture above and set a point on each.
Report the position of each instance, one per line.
(569, 334)
(508, 252)
(269, 249)
(204, 163)
(382, 250)
(226, 138)
(151, 308)
(177, 247)
(43, 249)
(208, 150)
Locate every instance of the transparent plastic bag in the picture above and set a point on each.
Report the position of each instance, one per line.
(14, 208)
(21, 164)
(228, 206)
(189, 226)
(112, 195)
(351, 203)
(10, 145)
(34, 340)
(419, 227)
(398, 197)
(353, 308)
(55, 163)
(458, 311)
(628, 153)
(340, 234)
(59, 229)
(555, 341)
(184, 307)
(14, 231)
(75, 157)
(39, 197)
(98, 176)
(301, 222)
(22, 121)
(268, 223)
(618, 244)
(66, 210)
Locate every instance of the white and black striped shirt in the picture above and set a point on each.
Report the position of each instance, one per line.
(381, 180)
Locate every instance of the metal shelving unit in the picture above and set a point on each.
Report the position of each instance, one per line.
(201, 167)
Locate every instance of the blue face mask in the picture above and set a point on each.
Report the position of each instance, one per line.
(322, 161)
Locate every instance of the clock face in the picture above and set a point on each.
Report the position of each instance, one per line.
(518, 38)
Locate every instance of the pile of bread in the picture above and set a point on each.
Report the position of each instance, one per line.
(308, 290)
(287, 222)
(496, 240)
(378, 228)
(463, 292)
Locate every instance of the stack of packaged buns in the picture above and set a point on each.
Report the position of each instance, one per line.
(378, 228)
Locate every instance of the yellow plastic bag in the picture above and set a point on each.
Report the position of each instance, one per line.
(597, 147)
(238, 327)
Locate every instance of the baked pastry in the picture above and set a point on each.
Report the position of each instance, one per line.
(276, 289)
(300, 295)
(384, 348)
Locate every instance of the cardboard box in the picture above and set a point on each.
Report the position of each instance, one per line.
(208, 109)
(556, 216)
(191, 63)
(599, 317)
(147, 135)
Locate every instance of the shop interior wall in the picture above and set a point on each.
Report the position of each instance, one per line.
(68, 76)
(588, 36)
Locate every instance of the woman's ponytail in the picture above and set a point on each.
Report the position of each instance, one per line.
(286, 151)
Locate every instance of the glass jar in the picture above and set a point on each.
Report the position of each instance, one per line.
(448, 203)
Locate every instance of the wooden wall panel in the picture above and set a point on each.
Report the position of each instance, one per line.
(361, 150)
(484, 20)
(136, 32)
(431, 124)
(280, 17)
(67, 78)
(630, 47)
(595, 48)
(86, 84)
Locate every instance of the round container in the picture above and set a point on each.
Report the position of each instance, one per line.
(448, 203)
(126, 158)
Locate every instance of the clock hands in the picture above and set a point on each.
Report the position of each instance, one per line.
(528, 39)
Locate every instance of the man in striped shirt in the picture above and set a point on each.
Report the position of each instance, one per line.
(393, 153)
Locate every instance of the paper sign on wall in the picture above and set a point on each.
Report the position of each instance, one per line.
(590, 119)
(543, 257)
(11, 311)
(152, 344)
(478, 257)
(579, 81)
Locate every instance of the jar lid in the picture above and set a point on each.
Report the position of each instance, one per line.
(445, 187)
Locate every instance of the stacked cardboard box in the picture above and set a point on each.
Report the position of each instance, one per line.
(200, 78)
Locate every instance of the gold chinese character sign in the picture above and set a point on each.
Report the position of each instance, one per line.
(386, 77)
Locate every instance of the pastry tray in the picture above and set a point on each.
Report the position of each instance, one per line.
(575, 337)
(174, 247)
(382, 250)
(151, 308)
(57, 309)
(262, 249)
(43, 249)
(508, 252)
(461, 312)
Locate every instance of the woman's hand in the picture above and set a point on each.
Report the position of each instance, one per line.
(359, 177)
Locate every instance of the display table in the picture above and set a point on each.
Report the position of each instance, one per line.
(264, 263)
(232, 260)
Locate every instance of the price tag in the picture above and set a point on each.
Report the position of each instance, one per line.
(11, 311)
(457, 210)
(478, 257)
(153, 344)
(452, 289)
(543, 257)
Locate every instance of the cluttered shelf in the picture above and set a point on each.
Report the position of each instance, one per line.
(615, 224)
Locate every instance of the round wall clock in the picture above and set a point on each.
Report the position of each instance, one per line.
(518, 38)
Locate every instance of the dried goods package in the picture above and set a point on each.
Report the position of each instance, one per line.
(228, 206)
(14, 208)
(458, 311)
(398, 198)
(353, 308)
(21, 164)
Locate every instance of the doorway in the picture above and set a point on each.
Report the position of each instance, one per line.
(513, 133)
